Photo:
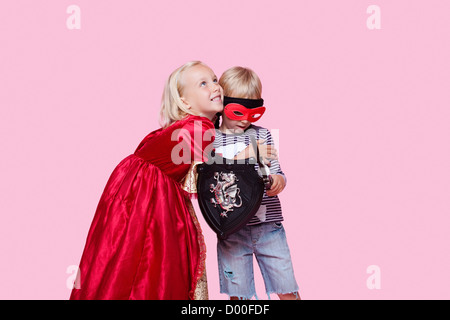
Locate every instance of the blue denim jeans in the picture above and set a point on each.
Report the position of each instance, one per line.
(267, 241)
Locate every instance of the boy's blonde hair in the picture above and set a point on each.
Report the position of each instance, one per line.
(240, 82)
(172, 107)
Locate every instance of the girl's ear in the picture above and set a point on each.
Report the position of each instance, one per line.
(186, 104)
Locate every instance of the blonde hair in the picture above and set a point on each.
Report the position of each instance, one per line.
(172, 107)
(240, 82)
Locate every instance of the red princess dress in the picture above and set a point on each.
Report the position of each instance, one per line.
(145, 241)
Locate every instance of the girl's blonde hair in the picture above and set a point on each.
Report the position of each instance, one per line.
(240, 82)
(172, 107)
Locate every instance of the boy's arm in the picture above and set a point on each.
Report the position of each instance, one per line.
(270, 157)
(278, 176)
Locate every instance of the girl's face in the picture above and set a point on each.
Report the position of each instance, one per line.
(202, 93)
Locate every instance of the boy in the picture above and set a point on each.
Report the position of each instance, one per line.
(264, 235)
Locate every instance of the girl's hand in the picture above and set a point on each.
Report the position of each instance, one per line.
(277, 186)
(266, 152)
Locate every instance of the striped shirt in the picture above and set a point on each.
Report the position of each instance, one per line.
(229, 145)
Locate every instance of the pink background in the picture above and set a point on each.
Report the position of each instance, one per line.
(363, 118)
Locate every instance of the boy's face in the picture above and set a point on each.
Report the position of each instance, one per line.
(234, 126)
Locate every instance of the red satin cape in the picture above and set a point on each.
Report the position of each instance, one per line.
(144, 242)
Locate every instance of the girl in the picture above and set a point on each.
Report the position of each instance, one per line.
(145, 241)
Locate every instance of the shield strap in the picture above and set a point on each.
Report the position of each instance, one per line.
(264, 170)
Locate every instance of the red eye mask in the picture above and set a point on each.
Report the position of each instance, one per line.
(243, 109)
(238, 112)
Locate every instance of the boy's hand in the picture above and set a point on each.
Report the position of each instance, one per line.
(277, 186)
